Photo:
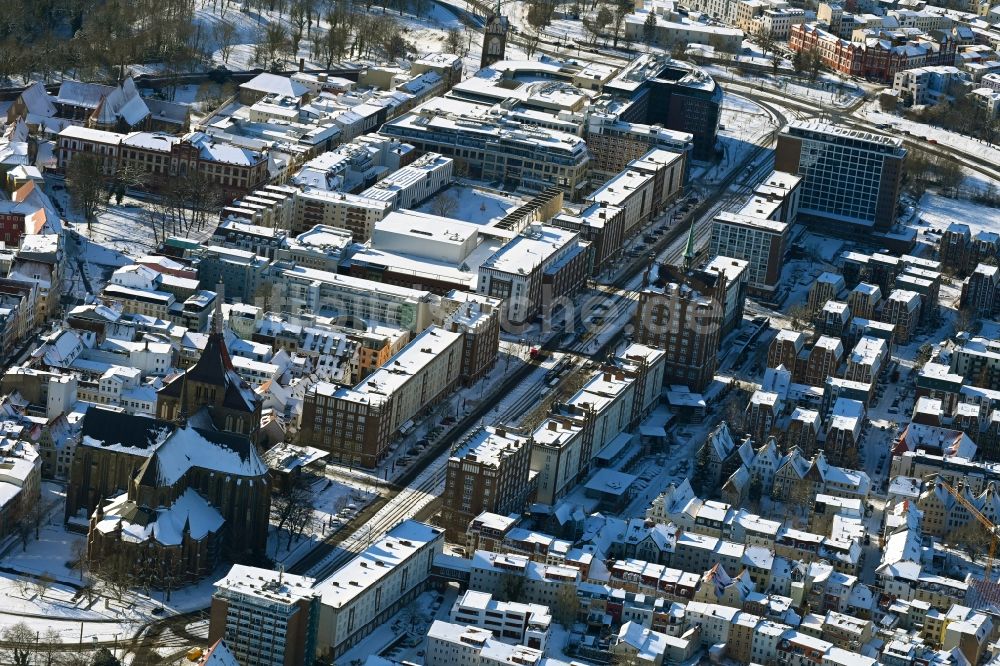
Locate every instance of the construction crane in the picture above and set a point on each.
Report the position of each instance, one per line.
(983, 520)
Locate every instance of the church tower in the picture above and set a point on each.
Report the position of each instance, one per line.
(212, 384)
(494, 38)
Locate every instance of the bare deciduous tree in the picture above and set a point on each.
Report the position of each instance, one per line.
(225, 36)
(20, 640)
(84, 183)
(445, 204)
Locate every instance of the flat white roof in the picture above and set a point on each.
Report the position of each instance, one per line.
(744, 220)
(427, 226)
(488, 446)
(377, 561)
(621, 187)
(352, 283)
(409, 361)
(526, 252)
(88, 134)
(267, 585)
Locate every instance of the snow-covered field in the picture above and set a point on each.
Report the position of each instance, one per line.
(939, 212)
(330, 498)
(46, 593)
(470, 204)
(943, 137)
(425, 32)
(827, 89)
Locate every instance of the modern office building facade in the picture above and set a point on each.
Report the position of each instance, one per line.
(849, 177)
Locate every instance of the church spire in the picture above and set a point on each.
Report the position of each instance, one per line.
(220, 296)
(689, 252)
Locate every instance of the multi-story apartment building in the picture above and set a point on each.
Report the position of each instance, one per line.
(759, 242)
(561, 452)
(867, 360)
(241, 271)
(241, 235)
(821, 361)
(612, 401)
(978, 361)
(761, 414)
(803, 430)
(735, 272)
(881, 269)
(21, 476)
(848, 176)
(414, 183)
(550, 585)
(372, 587)
(843, 432)
(758, 232)
(356, 425)
(478, 319)
(980, 290)
(488, 531)
(487, 471)
(785, 349)
(833, 319)
(683, 316)
(864, 300)
(632, 191)
(961, 250)
(621, 394)
(615, 144)
(542, 266)
(600, 225)
(826, 287)
(929, 85)
(266, 617)
(342, 210)
(452, 644)
(272, 206)
(902, 310)
(525, 624)
(668, 169)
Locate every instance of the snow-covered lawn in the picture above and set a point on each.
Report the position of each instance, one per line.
(330, 497)
(470, 204)
(46, 593)
(939, 211)
(826, 89)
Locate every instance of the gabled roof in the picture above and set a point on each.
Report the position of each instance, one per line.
(275, 84)
(106, 428)
(721, 441)
(216, 367)
(78, 93)
(38, 101)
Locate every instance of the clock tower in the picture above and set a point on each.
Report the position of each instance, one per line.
(494, 38)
